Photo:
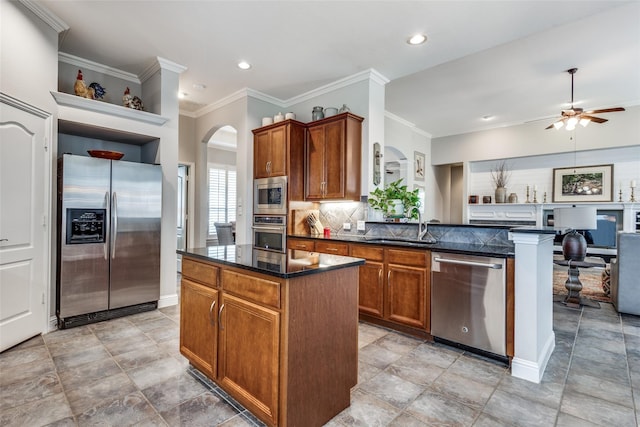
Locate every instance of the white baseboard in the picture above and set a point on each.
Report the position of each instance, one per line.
(168, 300)
(530, 370)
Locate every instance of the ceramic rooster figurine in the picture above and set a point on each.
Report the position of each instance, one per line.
(132, 101)
(81, 89)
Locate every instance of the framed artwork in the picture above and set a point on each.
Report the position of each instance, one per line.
(583, 184)
(418, 165)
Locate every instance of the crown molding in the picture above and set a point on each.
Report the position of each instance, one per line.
(50, 18)
(407, 123)
(100, 68)
(369, 74)
(161, 64)
(21, 105)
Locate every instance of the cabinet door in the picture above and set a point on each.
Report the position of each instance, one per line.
(315, 145)
(407, 298)
(371, 289)
(278, 151)
(249, 355)
(334, 160)
(198, 329)
(261, 154)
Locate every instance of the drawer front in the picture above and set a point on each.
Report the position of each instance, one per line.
(256, 289)
(305, 245)
(332, 248)
(368, 252)
(201, 272)
(416, 258)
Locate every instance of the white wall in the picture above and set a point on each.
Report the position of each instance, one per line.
(531, 139)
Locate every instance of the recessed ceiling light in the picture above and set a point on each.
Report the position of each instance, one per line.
(487, 118)
(244, 65)
(182, 95)
(199, 86)
(417, 39)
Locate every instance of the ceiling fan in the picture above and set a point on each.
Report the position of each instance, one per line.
(574, 115)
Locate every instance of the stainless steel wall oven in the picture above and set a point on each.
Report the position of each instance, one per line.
(270, 232)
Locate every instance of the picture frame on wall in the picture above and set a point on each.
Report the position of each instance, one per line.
(583, 184)
(418, 165)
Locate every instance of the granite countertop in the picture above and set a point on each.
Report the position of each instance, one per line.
(292, 264)
(451, 247)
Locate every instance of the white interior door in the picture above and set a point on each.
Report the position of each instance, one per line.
(24, 250)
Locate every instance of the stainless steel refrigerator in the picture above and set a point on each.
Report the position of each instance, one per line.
(109, 214)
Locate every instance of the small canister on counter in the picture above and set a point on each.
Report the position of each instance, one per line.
(327, 232)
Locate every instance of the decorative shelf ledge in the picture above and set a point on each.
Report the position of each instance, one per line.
(68, 100)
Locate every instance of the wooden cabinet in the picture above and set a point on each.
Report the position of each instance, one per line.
(250, 355)
(198, 315)
(333, 248)
(333, 157)
(408, 293)
(286, 349)
(394, 284)
(278, 150)
(301, 244)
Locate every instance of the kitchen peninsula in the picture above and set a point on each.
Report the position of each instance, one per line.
(278, 332)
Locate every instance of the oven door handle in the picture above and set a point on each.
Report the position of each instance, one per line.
(496, 266)
(259, 227)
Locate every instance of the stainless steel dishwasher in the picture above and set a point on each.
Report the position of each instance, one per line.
(468, 300)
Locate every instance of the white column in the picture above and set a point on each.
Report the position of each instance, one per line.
(534, 337)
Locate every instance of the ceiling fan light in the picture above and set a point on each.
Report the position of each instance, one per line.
(570, 126)
(584, 122)
(573, 121)
(558, 124)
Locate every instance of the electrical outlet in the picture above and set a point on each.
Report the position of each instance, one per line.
(346, 226)
(360, 226)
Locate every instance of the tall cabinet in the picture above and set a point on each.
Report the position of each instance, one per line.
(333, 147)
(278, 150)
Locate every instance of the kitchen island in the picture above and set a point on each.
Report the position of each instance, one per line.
(278, 332)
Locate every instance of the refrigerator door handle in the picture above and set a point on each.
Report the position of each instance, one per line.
(106, 241)
(114, 223)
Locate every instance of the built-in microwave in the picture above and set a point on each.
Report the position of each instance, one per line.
(270, 232)
(270, 196)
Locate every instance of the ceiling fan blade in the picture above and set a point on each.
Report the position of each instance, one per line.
(606, 110)
(593, 118)
(549, 127)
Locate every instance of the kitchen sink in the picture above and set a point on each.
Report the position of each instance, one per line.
(401, 242)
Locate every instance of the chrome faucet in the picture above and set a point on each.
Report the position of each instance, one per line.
(421, 231)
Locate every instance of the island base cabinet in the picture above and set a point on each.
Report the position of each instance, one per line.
(198, 334)
(249, 355)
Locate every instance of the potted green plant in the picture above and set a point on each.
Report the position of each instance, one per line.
(395, 201)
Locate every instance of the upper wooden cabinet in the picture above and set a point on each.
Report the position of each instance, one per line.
(278, 150)
(333, 156)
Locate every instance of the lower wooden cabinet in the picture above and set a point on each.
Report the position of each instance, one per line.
(249, 355)
(286, 349)
(394, 284)
(198, 333)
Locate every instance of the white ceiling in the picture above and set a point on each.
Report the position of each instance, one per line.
(506, 59)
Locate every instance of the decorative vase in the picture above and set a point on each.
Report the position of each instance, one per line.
(317, 113)
(513, 198)
(501, 195)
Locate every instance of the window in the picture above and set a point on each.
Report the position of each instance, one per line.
(222, 195)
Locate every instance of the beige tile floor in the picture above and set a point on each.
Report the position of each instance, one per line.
(129, 371)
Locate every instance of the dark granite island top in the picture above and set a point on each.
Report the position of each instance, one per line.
(294, 263)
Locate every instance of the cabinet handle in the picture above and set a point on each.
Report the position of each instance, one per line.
(269, 167)
(380, 277)
(212, 320)
(332, 249)
(389, 278)
(220, 318)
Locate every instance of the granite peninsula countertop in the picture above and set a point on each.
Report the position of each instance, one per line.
(288, 265)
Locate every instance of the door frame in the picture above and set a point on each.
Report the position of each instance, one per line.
(191, 194)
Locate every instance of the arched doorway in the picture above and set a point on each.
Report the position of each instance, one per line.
(221, 180)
